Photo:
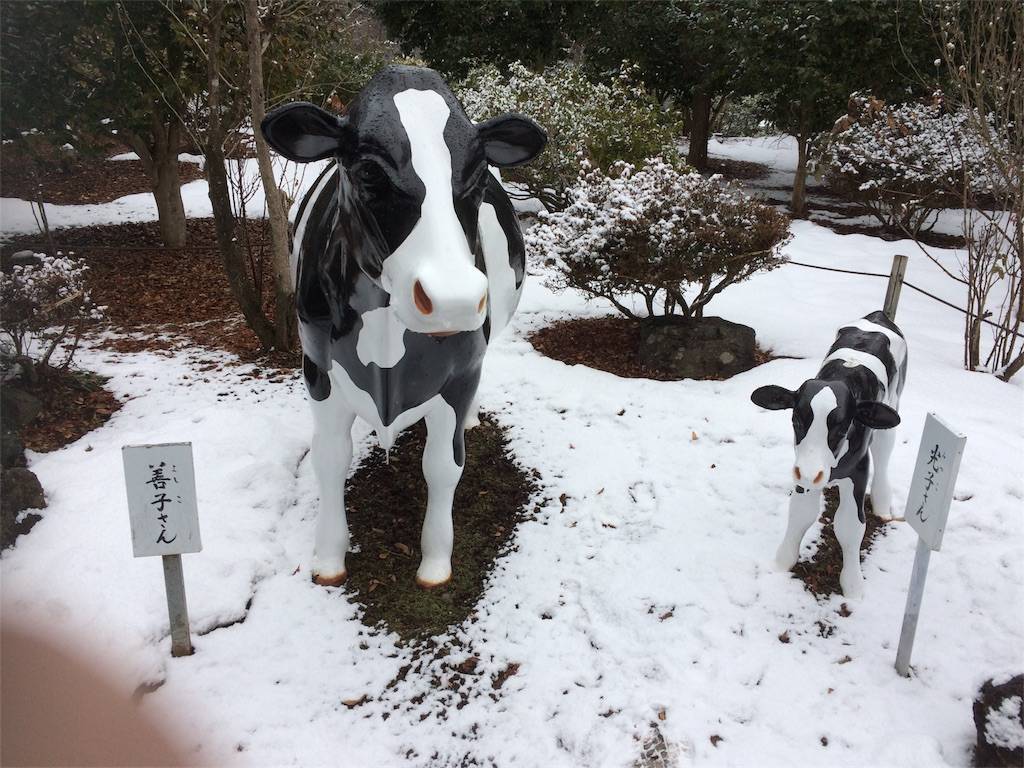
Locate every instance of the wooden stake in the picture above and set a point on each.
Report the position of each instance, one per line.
(892, 293)
(177, 608)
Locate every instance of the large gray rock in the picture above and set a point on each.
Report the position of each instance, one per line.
(19, 490)
(12, 452)
(709, 348)
(24, 259)
(17, 407)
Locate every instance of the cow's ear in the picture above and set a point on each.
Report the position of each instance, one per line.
(511, 140)
(773, 397)
(876, 415)
(303, 132)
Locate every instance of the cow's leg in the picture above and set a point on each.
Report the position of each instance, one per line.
(442, 471)
(332, 454)
(882, 442)
(804, 509)
(849, 529)
(473, 414)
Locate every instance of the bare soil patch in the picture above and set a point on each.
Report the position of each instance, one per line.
(74, 404)
(79, 181)
(610, 344)
(820, 573)
(386, 499)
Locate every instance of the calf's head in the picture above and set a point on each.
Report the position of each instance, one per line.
(413, 172)
(825, 415)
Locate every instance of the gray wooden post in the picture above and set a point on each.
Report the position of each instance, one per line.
(892, 293)
(177, 608)
(910, 614)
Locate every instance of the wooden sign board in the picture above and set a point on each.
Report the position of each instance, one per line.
(162, 506)
(931, 489)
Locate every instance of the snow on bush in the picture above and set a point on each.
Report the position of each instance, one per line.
(655, 230)
(43, 304)
(604, 123)
(904, 162)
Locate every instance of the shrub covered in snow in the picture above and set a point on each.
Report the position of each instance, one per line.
(44, 303)
(904, 162)
(657, 229)
(746, 116)
(603, 123)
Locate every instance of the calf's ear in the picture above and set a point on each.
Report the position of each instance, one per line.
(876, 415)
(511, 140)
(303, 132)
(773, 397)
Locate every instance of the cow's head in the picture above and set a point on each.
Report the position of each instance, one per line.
(414, 169)
(824, 414)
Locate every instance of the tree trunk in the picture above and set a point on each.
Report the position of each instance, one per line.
(798, 202)
(700, 131)
(159, 157)
(224, 218)
(167, 191)
(284, 292)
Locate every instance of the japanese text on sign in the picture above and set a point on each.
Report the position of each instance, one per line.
(931, 490)
(161, 499)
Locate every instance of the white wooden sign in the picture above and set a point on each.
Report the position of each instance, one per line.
(162, 507)
(931, 489)
(931, 493)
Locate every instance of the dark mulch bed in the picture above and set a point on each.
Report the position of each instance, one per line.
(738, 170)
(386, 502)
(820, 574)
(84, 180)
(144, 285)
(74, 403)
(931, 239)
(610, 344)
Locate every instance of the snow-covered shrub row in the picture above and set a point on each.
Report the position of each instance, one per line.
(657, 229)
(604, 123)
(745, 116)
(906, 161)
(43, 304)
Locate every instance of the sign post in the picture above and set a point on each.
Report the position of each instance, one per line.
(931, 493)
(164, 517)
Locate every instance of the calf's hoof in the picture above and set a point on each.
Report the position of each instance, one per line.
(329, 580)
(853, 588)
(432, 574)
(784, 562)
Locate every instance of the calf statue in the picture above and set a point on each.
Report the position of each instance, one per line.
(407, 260)
(847, 409)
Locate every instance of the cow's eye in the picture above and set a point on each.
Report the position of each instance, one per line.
(371, 175)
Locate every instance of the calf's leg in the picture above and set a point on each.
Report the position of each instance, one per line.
(849, 529)
(443, 459)
(332, 454)
(882, 442)
(803, 511)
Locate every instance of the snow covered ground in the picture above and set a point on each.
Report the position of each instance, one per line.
(647, 599)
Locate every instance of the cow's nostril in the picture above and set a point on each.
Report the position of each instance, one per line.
(420, 298)
(796, 472)
(483, 301)
(819, 477)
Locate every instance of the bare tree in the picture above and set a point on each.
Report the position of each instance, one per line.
(983, 58)
(242, 285)
(277, 206)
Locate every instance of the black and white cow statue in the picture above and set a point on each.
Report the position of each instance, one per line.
(847, 409)
(408, 260)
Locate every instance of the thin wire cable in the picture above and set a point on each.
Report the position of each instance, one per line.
(908, 285)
